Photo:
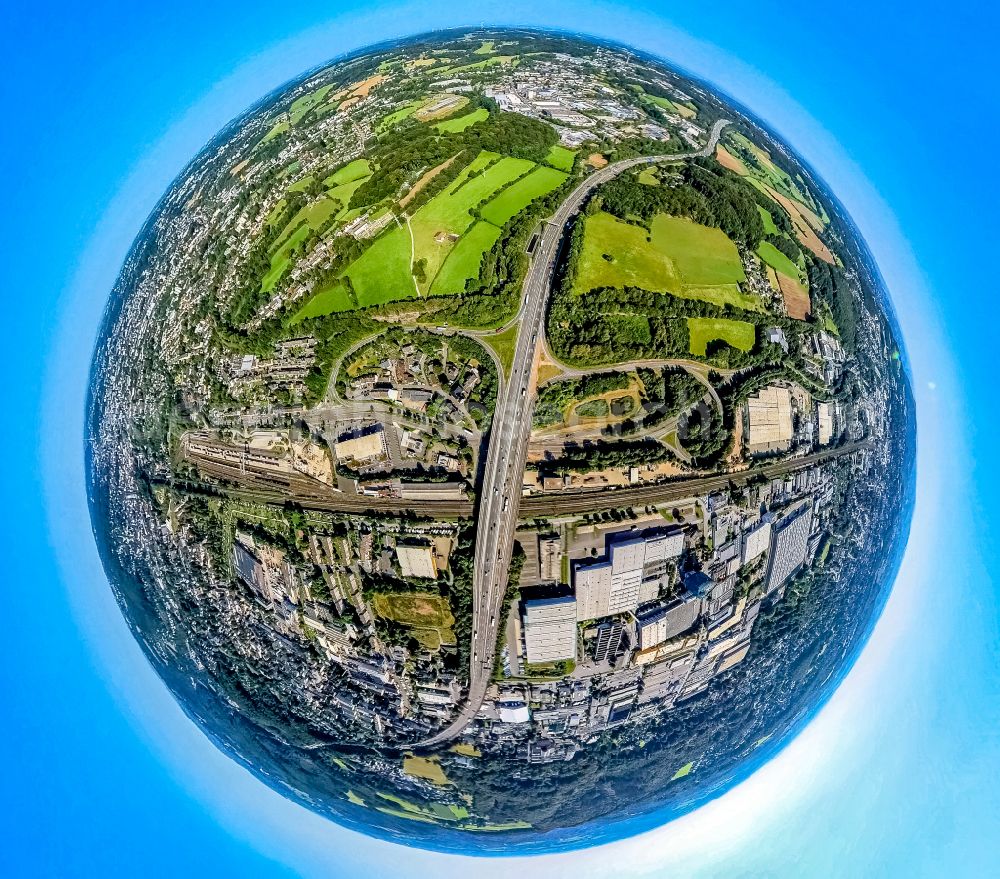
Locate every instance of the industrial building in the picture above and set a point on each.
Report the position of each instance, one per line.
(549, 629)
(633, 573)
(757, 540)
(769, 420)
(825, 418)
(666, 621)
(363, 446)
(609, 640)
(789, 545)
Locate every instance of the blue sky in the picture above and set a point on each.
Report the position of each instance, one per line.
(104, 104)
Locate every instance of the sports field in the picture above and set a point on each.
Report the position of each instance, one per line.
(518, 196)
(675, 256)
(460, 123)
(703, 330)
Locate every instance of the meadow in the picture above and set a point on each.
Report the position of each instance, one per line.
(561, 158)
(737, 333)
(352, 171)
(428, 615)
(776, 259)
(382, 273)
(465, 259)
(437, 226)
(674, 256)
(519, 195)
(504, 344)
(460, 123)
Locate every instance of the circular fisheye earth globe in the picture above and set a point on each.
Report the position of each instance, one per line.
(499, 441)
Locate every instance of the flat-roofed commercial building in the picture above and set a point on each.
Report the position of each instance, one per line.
(592, 583)
(667, 621)
(634, 572)
(825, 413)
(769, 420)
(789, 545)
(549, 629)
(363, 446)
(756, 541)
(417, 561)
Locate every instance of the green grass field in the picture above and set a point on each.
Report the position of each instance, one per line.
(315, 215)
(777, 260)
(684, 770)
(648, 177)
(272, 217)
(301, 185)
(326, 301)
(561, 158)
(492, 61)
(504, 343)
(464, 260)
(680, 257)
(399, 115)
(349, 173)
(768, 221)
(382, 272)
(428, 615)
(279, 259)
(460, 123)
(703, 330)
(427, 768)
(301, 106)
(279, 128)
(343, 194)
(449, 212)
(516, 197)
(675, 107)
(765, 169)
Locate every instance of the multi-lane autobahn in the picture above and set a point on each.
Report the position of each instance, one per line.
(500, 502)
(503, 475)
